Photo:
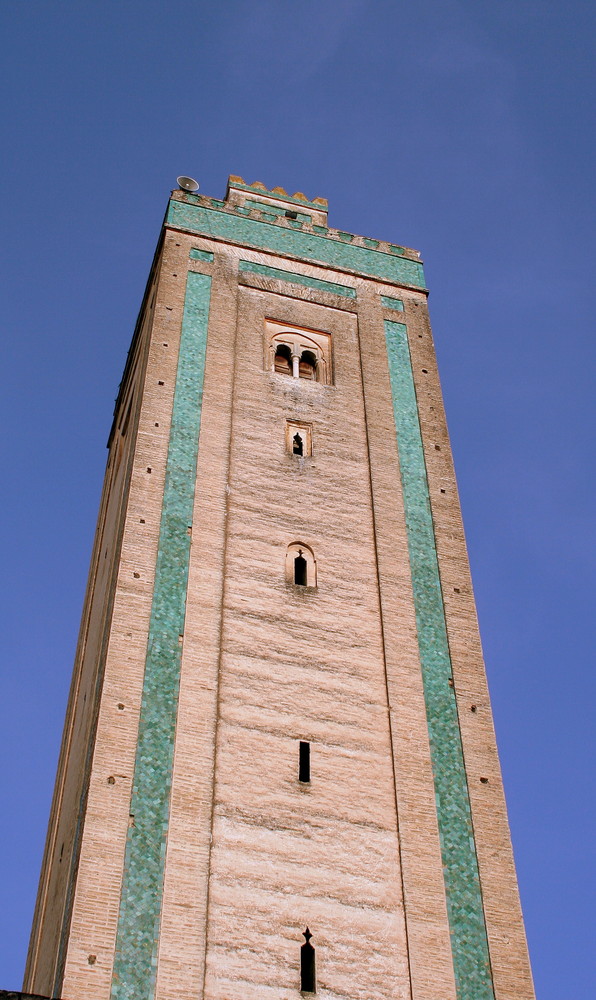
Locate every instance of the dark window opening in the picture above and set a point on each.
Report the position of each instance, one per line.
(307, 965)
(283, 360)
(291, 215)
(300, 570)
(308, 365)
(304, 761)
(297, 445)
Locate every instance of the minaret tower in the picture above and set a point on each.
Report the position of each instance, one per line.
(279, 773)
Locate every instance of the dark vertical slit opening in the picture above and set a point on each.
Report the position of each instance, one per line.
(297, 446)
(307, 965)
(304, 761)
(300, 570)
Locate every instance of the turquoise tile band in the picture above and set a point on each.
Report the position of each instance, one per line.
(140, 904)
(205, 255)
(469, 943)
(297, 279)
(388, 303)
(294, 243)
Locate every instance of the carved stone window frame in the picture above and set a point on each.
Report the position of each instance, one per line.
(294, 427)
(299, 340)
(296, 549)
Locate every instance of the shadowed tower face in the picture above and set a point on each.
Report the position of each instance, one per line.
(278, 773)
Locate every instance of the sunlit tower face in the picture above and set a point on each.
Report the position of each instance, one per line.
(278, 774)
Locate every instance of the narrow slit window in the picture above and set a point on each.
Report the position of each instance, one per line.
(300, 566)
(297, 444)
(307, 965)
(304, 762)
(300, 570)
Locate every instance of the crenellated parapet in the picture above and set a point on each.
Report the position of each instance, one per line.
(294, 226)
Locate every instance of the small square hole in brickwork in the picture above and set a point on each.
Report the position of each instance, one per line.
(437, 447)
(442, 491)
(160, 383)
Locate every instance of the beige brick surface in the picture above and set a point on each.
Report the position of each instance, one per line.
(252, 855)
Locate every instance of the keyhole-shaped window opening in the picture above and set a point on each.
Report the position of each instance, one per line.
(308, 979)
(283, 360)
(301, 566)
(297, 445)
(308, 365)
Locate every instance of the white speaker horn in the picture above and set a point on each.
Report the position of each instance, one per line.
(187, 184)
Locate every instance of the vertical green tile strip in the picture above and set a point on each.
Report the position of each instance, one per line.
(460, 864)
(142, 888)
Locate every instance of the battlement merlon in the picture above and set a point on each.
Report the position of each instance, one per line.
(291, 225)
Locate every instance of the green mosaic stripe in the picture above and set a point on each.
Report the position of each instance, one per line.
(388, 303)
(298, 279)
(294, 243)
(263, 206)
(140, 904)
(205, 255)
(460, 865)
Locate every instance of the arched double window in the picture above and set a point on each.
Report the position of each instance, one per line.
(301, 565)
(297, 353)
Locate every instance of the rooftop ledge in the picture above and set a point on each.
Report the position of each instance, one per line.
(293, 226)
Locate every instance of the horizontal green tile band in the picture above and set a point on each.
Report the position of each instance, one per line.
(390, 303)
(298, 279)
(262, 206)
(142, 887)
(469, 943)
(294, 243)
(205, 255)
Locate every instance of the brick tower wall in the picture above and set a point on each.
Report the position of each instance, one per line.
(193, 858)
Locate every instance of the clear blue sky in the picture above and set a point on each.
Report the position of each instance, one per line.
(462, 128)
